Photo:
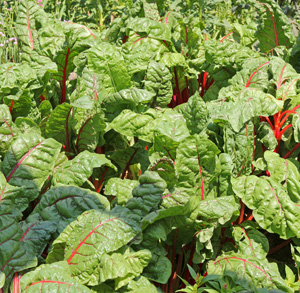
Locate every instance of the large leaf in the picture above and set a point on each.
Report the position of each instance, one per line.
(90, 133)
(272, 207)
(196, 164)
(274, 29)
(123, 266)
(63, 204)
(7, 129)
(122, 189)
(169, 131)
(135, 124)
(93, 234)
(248, 271)
(250, 241)
(14, 80)
(28, 162)
(79, 169)
(134, 99)
(59, 126)
(108, 65)
(251, 103)
(195, 114)
(284, 172)
(53, 277)
(159, 81)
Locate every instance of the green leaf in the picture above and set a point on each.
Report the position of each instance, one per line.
(135, 124)
(250, 103)
(159, 81)
(250, 241)
(93, 234)
(221, 209)
(159, 270)
(266, 136)
(248, 272)
(56, 202)
(285, 172)
(59, 126)
(90, 133)
(274, 28)
(14, 80)
(109, 67)
(170, 130)
(150, 28)
(51, 278)
(28, 162)
(147, 195)
(79, 169)
(195, 113)
(133, 99)
(123, 266)
(272, 208)
(122, 189)
(142, 283)
(196, 164)
(14, 255)
(239, 145)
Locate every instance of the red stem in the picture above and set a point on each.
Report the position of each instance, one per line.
(270, 123)
(174, 250)
(128, 164)
(67, 133)
(187, 271)
(276, 248)
(178, 94)
(101, 181)
(249, 217)
(204, 80)
(290, 152)
(63, 92)
(283, 131)
(16, 283)
(241, 218)
(11, 106)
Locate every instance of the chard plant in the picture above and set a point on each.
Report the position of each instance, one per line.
(159, 154)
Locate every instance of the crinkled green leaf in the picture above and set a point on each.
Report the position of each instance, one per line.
(122, 189)
(58, 125)
(133, 99)
(90, 133)
(159, 81)
(63, 204)
(123, 266)
(169, 131)
(79, 169)
(195, 114)
(239, 145)
(274, 28)
(266, 136)
(150, 28)
(107, 61)
(147, 195)
(51, 277)
(250, 241)
(248, 271)
(285, 172)
(196, 164)
(135, 286)
(93, 234)
(251, 103)
(272, 207)
(135, 124)
(28, 162)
